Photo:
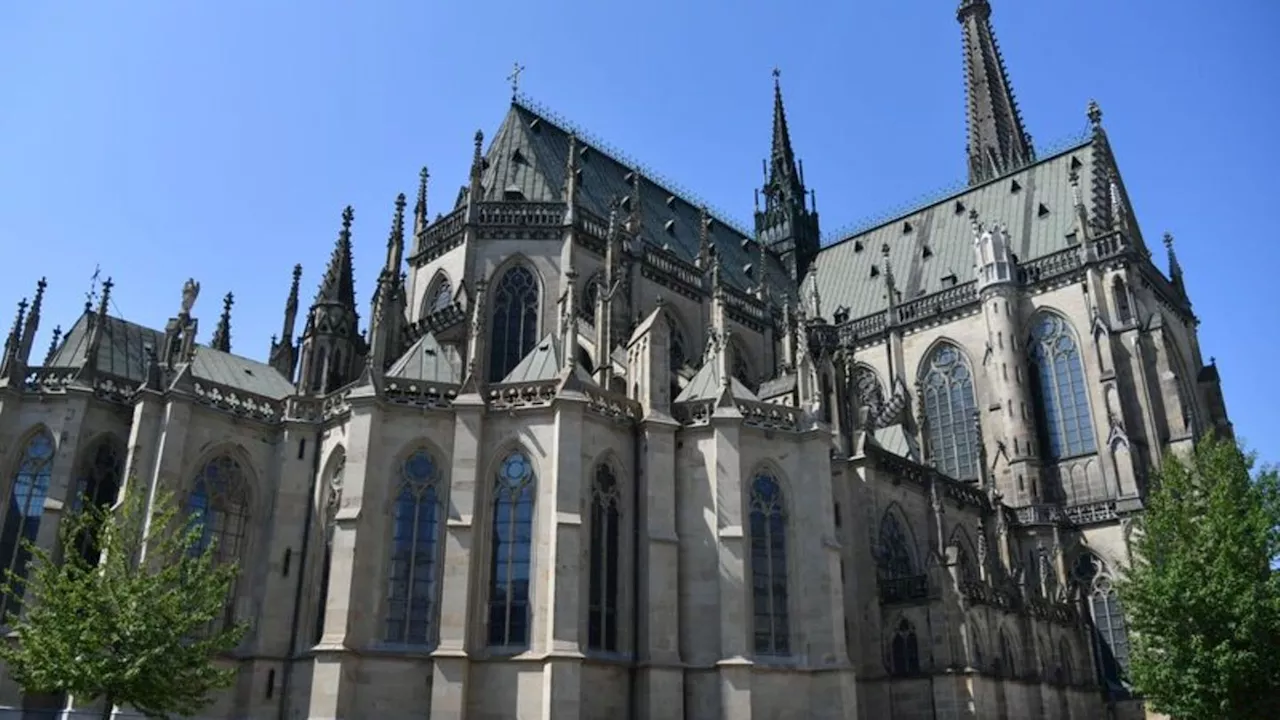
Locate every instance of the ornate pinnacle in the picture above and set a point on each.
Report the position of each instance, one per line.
(348, 217)
(479, 139)
(53, 344)
(106, 296)
(222, 333)
(1095, 114)
(423, 176)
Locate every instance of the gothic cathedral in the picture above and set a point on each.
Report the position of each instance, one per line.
(599, 453)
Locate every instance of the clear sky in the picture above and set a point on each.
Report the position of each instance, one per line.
(220, 140)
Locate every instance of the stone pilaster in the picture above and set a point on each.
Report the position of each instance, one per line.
(354, 605)
(559, 563)
(660, 685)
(734, 665)
(458, 573)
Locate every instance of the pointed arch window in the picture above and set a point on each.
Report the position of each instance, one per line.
(741, 368)
(512, 552)
(441, 295)
(1066, 424)
(904, 650)
(1008, 665)
(606, 516)
(28, 490)
(949, 406)
(1124, 308)
(1109, 625)
(895, 559)
(414, 551)
(332, 501)
(1064, 670)
(219, 505)
(678, 353)
(515, 321)
(768, 531)
(97, 483)
(590, 296)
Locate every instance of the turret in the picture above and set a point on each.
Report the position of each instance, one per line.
(331, 342)
(788, 224)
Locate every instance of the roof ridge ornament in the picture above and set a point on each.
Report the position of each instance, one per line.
(514, 79)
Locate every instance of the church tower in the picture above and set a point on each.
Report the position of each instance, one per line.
(998, 142)
(788, 224)
(331, 342)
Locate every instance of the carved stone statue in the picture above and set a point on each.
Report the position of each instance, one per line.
(190, 291)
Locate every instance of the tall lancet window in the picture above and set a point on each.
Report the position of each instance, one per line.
(515, 321)
(414, 551)
(768, 529)
(602, 606)
(1109, 625)
(949, 407)
(329, 510)
(97, 483)
(1066, 425)
(512, 545)
(895, 560)
(219, 505)
(30, 486)
(678, 352)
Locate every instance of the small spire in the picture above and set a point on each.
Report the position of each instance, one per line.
(33, 323)
(53, 345)
(704, 237)
(420, 208)
(338, 284)
(106, 297)
(477, 172)
(636, 221)
(1095, 115)
(222, 333)
(395, 239)
(1118, 214)
(571, 179)
(1175, 269)
(570, 314)
(15, 334)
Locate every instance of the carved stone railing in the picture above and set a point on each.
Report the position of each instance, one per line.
(864, 327)
(1040, 515)
(300, 409)
(49, 379)
(693, 413)
(1092, 512)
(1050, 266)
(590, 223)
(521, 213)
(687, 277)
(438, 321)
(981, 593)
(442, 229)
(236, 402)
(771, 416)
(1054, 611)
(904, 589)
(419, 394)
(512, 396)
(613, 406)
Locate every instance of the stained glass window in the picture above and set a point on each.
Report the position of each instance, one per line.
(895, 557)
(1066, 425)
(441, 295)
(515, 321)
(414, 551)
(768, 520)
(602, 605)
(512, 552)
(98, 482)
(949, 406)
(25, 509)
(219, 505)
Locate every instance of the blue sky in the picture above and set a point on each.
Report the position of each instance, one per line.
(221, 140)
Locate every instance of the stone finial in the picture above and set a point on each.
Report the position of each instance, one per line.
(53, 345)
(1095, 115)
(423, 176)
(479, 142)
(348, 217)
(222, 333)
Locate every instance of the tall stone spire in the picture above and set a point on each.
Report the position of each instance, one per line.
(33, 323)
(1175, 268)
(998, 142)
(339, 286)
(386, 323)
(420, 220)
(786, 225)
(222, 333)
(331, 340)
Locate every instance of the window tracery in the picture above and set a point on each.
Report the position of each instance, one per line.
(950, 406)
(515, 321)
(768, 536)
(904, 650)
(867, 391)
(218, 504)
(603, 591)
(512, 551)
(1124, 309)
(414, 544)
(29, 488)
(98, 483)
(679, 351)
(441, 295)
(1108, 621)
(1066, 423)
(895, 559)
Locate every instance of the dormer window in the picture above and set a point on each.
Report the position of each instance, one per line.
(959, 208)
(513, 194)
(1042, 211)
(875, 271)
(841, 314)
(926, 253)
(1015, 187)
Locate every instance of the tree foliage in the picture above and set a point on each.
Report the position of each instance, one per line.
(1203, 596)
(104, 624)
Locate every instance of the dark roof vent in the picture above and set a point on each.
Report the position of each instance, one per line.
(517, 157)
(1075, 163)
(1043, 211)
(671, 201)
(949, 280)
(670, 227)
(536, 124)
(906, 227)
(750, 270)
(841, 314)
(626, 203)
(629, 178)
(857, 246)
(513, 194)
(875, 271)
(1072, 239)
(666, 247)
(959, 208)
(926, 253)
(1014, 187)
(584, 153)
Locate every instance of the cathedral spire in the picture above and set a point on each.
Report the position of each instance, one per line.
(786, 224)
(998, 141)
(222, 333)
(474, 187)
(387, 312)
(338, 286)
(784, 178)
(331, 340)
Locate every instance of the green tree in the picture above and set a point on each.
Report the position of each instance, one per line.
(1203, 599)
(103, 623)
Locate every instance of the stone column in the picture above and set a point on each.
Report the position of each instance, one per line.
(660, 685)
(452, 665)
(735, 664)
(559, 564)
(353, 606)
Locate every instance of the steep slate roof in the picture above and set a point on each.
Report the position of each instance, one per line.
(545, 362)
(843, 270)
(706, 385)
(530, 152)
(122, 354)
(429, 361)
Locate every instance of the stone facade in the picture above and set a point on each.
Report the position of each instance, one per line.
(600, 454)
